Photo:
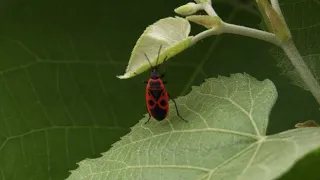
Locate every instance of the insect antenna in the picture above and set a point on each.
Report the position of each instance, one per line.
(158, 55)
(148, 60)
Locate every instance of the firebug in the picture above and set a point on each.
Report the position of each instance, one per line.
(156, 95)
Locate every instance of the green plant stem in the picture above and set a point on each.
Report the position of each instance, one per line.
(232, 29)
(288, 46)
(301, 67)
(236, 29)
(250, 32)
(209, 10)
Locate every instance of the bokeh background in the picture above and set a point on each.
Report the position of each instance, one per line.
(60, 100)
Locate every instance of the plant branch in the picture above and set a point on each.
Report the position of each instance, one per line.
(232, 29)
(250, 32)
(287, 45)
(236, 29)
(209, 10)
(294, 56)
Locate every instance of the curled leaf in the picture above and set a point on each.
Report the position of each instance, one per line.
(273, 20)
(205, 20)
(170, 33)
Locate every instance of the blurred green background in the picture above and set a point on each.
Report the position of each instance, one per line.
(60, 100)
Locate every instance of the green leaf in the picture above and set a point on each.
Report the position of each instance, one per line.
(225, 138)
(205, 20)
(303, 23)
(171, 34)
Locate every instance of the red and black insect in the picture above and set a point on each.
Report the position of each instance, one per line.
(156, 95)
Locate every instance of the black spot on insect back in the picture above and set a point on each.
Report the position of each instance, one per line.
(163, 103)
(151, 103)
(158, 113)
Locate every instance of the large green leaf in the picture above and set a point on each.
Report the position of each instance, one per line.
(225, 138)
(88, 43)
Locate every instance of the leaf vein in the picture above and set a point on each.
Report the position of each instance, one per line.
(232, 158)
(252, 136)
(240, 108)
(251, 159)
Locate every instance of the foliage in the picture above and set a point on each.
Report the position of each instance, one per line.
(224, 139)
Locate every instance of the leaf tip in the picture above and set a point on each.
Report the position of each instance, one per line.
(187, 9)
(125, 76)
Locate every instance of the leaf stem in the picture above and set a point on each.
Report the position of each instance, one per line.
(250, 32)
(204, 34)
(232, 29)
(236, 29)
(296, 59)
(209, 10)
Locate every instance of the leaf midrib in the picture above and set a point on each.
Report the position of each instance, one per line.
(219, 130)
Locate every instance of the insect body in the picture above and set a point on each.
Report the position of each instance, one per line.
(156, 95)
(157, 99)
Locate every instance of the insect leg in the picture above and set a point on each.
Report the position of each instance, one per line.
(175, 104)
(149, 116)
(148, 119)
